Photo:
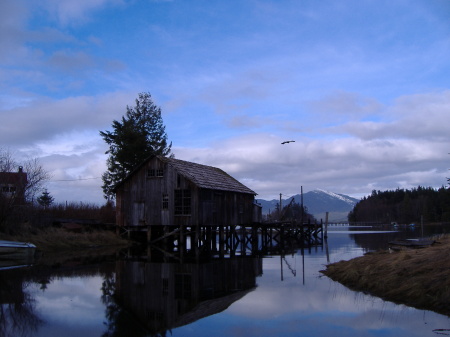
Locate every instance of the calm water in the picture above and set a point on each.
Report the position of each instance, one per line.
(241, 296)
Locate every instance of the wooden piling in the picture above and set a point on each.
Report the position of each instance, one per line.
(276, 237)
(149, 233)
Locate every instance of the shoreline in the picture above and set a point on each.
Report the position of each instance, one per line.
(418, 278)
(55, 240)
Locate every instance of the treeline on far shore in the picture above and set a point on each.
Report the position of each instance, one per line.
(404, 206)
(39, 217)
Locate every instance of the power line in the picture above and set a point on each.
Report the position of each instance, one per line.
(77, 179)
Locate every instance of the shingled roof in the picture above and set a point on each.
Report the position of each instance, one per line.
(207, 176)
(202, 176)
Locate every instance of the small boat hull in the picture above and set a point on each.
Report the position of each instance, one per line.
(11, 250)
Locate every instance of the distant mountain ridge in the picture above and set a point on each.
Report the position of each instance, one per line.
(318, 202)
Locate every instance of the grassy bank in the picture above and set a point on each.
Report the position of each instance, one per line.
(419, 278)
(55, 239)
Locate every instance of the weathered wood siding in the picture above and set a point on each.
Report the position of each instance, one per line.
(141, 198)
(225, 208)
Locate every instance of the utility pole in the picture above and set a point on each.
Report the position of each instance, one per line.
(301, 198)
(281, 207)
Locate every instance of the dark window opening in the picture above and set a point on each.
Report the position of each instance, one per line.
(182, 202)
(165, 201)
(152, 173)
(8, 188)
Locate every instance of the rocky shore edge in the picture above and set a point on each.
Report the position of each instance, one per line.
(418, 278)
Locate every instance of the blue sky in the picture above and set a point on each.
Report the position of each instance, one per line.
(361, 86)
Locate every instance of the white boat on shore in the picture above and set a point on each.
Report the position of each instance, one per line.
(12, 250)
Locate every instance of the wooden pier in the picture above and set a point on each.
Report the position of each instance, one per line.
(221, 241)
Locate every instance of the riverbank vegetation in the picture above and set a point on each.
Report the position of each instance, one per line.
(58, 239)
(37, 217)
(404, 206)
(292, 211)
(59, 227)
(415, 277)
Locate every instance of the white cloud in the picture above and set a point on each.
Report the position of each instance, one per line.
(13, 17)
(44, 119)
(411, 117)
(65, 134)
(70, 61)
(75, 12)
(348, 104)
(345, 165)
(71, 300)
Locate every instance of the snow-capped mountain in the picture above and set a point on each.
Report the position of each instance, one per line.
(318, 203)
(351, 201)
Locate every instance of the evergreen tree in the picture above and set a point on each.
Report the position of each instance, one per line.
(45, 199)
(138, 135)
(404, 206)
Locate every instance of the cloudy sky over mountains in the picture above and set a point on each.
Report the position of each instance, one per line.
(361, 86)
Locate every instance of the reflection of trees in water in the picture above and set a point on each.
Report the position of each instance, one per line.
(17, 308)
(375, 241)
(18, 317)
(120, 323)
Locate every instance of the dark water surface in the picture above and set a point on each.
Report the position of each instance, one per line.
(240, 296)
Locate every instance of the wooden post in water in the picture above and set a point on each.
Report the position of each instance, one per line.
(326, 225)
(232, 243)
(254, 239)
(181, 243)
(321, 226)
(149, 234)
(195, 244)
(221, 242)
(208, 239)
(243, 239)
(301, 197)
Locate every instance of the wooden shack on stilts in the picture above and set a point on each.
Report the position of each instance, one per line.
(167, 196)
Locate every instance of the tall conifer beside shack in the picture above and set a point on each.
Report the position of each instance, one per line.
(171, 192)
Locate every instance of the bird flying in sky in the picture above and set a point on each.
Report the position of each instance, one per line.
(288, 141)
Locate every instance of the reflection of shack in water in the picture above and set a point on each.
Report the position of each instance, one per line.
(169, 295)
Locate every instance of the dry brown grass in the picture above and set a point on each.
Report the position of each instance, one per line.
(58, 239)
(418, 278)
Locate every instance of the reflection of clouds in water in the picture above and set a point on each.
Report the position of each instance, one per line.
(62, 329)
(73, 300)
(289, 307)
(327, 305)
(345, 253)
(272, 299)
